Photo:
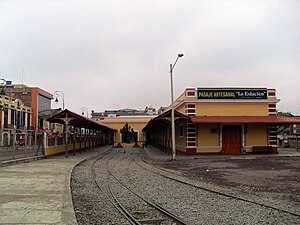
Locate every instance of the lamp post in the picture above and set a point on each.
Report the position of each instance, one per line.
(61, 95)
(2, 84)
(172, 107)
(83, 109)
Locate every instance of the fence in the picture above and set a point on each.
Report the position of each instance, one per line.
(18, 152)
(57, 145)
(51, 146)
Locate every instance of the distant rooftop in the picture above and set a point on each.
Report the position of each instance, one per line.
(124, 112)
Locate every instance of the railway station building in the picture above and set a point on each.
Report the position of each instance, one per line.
(136, 120)
(221, 121)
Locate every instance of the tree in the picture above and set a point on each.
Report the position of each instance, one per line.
(127, 132)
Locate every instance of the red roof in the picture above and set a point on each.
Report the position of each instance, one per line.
(246, 119)
(77, 120)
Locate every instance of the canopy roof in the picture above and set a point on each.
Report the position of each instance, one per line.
(247, 119)
(77, 120)
(164, 119)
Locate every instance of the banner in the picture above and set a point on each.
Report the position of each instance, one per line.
(232, 93)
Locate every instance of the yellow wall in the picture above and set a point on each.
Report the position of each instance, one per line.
(257, 134)
(180, 140)
(52, 150)
(205, 137)
(137, 123)
(181, 109)
(231, 109)
(208, 142)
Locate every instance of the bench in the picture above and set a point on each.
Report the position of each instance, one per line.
(262, 149)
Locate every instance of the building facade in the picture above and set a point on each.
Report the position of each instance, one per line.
(15, 122)
(222, 120)
(34, 97)
(117, 119)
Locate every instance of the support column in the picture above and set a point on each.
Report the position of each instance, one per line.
(85, 137)
(93, 139)
(80, 138)
(244, 137)
(25, 142)
(97, 139)
(67, 136)
(74, 139)
(89, 139)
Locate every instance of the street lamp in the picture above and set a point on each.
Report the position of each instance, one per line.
(172, 108)
(85, 109)
(61, 95)
(2, 84)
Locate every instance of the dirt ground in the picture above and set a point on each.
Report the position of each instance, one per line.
(277, 176)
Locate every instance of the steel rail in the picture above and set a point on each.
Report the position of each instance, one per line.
(155, 205)
(131, 219)
(213, 191)
(129, 216)
(106, 195)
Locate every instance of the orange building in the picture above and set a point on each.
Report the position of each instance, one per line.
(34, 97)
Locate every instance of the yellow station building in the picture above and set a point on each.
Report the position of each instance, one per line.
(137, 123)
(221, 121)
(136, 120)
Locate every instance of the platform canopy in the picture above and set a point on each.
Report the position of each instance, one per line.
(280, 120)
(77, 120)
(164, 119)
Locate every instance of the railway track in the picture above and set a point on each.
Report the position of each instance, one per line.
(135, 207)
(175, 177)
(126, 177)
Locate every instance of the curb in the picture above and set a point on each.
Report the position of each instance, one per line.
(21, 160)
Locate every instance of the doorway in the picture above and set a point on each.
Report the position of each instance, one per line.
(231, 139)
(131, 137)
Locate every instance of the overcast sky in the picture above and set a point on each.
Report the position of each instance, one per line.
(111, 54)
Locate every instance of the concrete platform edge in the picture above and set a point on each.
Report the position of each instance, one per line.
(21, 160)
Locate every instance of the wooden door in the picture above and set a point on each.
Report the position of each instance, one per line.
(231, 139)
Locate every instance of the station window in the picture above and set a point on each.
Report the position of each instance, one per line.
(12, 116)
(28, 121)
(5, 117)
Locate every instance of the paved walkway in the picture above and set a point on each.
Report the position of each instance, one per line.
(39, 192)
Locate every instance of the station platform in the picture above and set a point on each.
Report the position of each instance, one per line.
(39, 192)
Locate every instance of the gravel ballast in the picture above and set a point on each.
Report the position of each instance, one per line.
(195, 205)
